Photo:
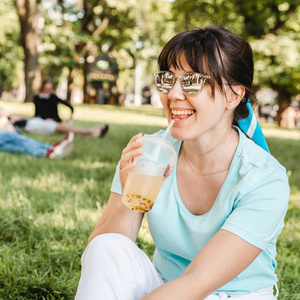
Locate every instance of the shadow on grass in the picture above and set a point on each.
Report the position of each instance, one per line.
(147, 110)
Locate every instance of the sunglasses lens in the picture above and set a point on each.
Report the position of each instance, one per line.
(192, 83)
(164, 81)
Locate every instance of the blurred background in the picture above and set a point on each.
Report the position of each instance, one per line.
(105, 51)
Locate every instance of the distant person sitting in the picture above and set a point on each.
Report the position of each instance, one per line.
(12, 141)
(46, 119)
(289, 116)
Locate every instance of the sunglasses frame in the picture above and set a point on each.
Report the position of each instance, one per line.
(201, 76)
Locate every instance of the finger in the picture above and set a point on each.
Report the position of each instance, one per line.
(168, 171)
(136, 137)
(133, 149)
(130, 166)
(134, 143)
(129, 157)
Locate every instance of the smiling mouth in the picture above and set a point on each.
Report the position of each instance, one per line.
(182, 114)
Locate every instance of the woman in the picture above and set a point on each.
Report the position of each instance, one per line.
(46, 119)
(217, 217)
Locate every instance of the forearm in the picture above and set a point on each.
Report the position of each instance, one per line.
(120, 220)
(223, 258)
(65, 103)
(189, 286)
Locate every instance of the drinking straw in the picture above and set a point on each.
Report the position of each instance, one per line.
(157, 150)
(168, 128)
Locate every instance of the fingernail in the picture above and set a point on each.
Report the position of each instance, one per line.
(167, 171)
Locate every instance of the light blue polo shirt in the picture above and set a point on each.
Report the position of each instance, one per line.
(252, 204)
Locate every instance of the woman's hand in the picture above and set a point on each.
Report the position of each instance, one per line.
(127, 162)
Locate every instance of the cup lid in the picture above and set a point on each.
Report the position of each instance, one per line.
(159, 148)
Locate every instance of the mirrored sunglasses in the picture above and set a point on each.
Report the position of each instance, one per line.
(192, 83)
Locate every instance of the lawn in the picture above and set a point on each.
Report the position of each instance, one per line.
(49, 207)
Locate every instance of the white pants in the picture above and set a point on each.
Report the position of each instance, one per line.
(39, 125)
(114, 268)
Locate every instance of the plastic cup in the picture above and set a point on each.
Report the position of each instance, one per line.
(146, 179)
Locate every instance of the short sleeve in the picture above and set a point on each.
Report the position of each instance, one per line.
(116, 183)
(258, 217)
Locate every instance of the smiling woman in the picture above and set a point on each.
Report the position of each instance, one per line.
(218, 215)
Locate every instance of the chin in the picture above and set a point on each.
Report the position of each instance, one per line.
(177, 135)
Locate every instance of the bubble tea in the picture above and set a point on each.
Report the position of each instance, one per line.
(146, 179)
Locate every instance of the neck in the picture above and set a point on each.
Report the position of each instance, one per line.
(217, 153)
(208, 142)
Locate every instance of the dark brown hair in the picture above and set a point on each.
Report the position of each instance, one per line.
(45, 81)
(217, 52)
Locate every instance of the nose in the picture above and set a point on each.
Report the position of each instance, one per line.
(176, 92)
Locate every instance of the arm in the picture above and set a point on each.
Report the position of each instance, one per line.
(58, 100)
(117, 218)
(224, 257)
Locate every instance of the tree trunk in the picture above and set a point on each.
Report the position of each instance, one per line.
(85, 75)
(30, 40)
(284, 100)
(70, 84)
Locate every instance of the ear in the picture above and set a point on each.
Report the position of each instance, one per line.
(234, 98)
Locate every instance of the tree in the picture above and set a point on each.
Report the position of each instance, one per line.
(10, 52)
(277, 55)
(75, 33)
(152, 30)
(30, 41)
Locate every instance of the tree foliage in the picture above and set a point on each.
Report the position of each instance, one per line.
(10, 53)
(76, 31)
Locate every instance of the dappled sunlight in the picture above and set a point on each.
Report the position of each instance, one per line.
(90, 216)
(18, 108)
(58, 219)
(88, 165)
(54, 182)
(15, 199)
(67, 216)
(117, 117)
(282, 133)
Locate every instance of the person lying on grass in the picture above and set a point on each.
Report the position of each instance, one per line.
(13, 141)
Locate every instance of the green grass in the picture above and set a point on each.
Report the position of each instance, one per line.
(49, 207)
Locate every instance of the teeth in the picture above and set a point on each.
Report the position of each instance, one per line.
(182, 112)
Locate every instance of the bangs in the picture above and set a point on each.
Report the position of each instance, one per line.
(194, 54)
(201, 53)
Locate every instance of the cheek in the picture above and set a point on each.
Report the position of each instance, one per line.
(164, 101)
